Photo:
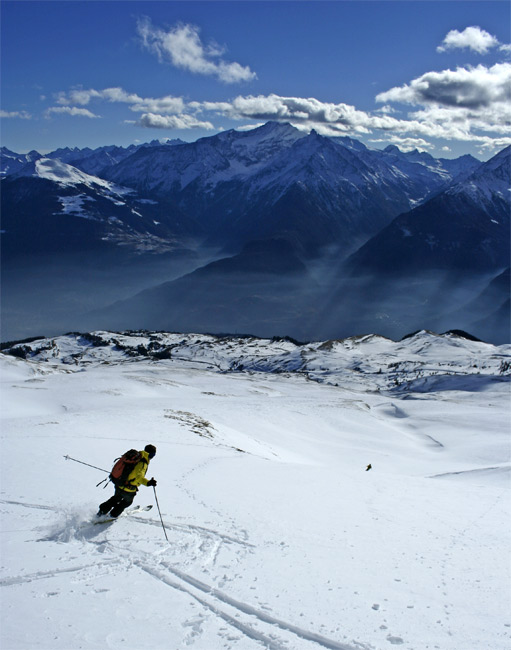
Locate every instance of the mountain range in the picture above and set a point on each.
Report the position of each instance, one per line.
(271, 231)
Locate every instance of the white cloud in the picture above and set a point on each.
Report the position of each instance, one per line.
(70, 110)
(297, 110)
(467, 104)
(184, 121)
(476, 87)
(473, 38)
(167, 112)
(75, 96)
(182, 47)
(494, 119)
(119, 95)
(84, 96)
(433, 121)
(22, 115)
(386, 110)
(167, 104)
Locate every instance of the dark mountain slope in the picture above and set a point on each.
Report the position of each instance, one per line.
(464, 228)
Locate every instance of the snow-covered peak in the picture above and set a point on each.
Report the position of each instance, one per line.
(277, 129)
(68, 176)
(261, 143)
(316, 162)
(11, 162)
(490, 180)
(230, 155)
(65, 175)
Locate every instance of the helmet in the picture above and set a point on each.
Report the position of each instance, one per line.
(151, 450)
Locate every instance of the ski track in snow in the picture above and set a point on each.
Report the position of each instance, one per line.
(241, 607)
(40, 575)
(206, 533)
(218, 602)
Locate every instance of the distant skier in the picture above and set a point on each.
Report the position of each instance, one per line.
(368, 467)
(127, 475)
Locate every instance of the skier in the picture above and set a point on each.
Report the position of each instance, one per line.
(125, 493)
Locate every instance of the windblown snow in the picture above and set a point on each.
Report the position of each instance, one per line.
(278, 535)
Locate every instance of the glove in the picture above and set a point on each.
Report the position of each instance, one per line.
(151, 483)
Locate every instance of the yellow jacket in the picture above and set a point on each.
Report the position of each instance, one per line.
(137, 476)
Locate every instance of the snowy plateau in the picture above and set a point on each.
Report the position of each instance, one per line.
(279, 534)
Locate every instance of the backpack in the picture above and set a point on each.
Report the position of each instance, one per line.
(124, 466)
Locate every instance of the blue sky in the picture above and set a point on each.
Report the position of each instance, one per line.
(431, 75)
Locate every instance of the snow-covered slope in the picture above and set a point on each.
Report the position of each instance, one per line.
(67, 175)
(370, 361)
(433, 172)
(489, 182)
(278, 537)
(419, 173)
(208, 161)
(42, 201)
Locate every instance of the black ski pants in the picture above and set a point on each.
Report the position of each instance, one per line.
(116, 504)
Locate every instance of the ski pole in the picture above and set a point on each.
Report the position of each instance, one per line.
(158, 506)
(81, 462)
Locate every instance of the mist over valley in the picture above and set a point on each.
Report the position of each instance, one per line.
(270, 232)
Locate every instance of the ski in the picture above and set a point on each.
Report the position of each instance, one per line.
(137, 508)
(131, 511)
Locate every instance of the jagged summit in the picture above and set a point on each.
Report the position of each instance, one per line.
(393, 149)
(11, 162)
(489, 181)
(273, 126)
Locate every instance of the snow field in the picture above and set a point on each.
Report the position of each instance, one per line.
(278, 537)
